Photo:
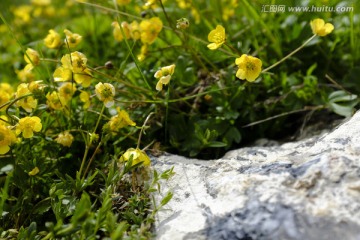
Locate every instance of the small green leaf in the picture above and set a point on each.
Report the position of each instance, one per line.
(166, 199)
(216, 144)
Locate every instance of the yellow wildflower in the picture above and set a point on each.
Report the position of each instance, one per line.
(76, 62)
(7, 137)
(120, 120)
(150, 28)
(73, 63)
(67, 90)
(22, 13)
(65, 139)
(36, 87)
(143, 52)
(27, 103)
(135, 30)
(118, 35)
(28, 125)
(54, 101)
(123, 2)
(105, 92)
(164, 75)
(137, 157)
(41, 2)
(4, 120)
(217, 37)
(85, 98)
(249, 67)
(184, 4)
(72, 39)
(62, 74)
(6, 93)
(320, 28)
(83, 78)
(53, 39)
(196, 15)
(25, 75)
(32, 59)
(34, 171)
(149, 3)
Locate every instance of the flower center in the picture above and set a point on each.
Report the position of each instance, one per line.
(106, 93)
(218, 38)
(250, 66)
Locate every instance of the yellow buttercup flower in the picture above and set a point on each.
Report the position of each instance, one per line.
(6, 93)
(83, 78)
(137, 157)
(217, 37)
(135, 30)
(164, 76)
(28, 103)
(62, 74)
(72, 39)
(25, 75)
(54, 101)
(36, 87)
(249, 67)
(184, 4)
(53, 39)
(143, 52)
(4, 120)
(76, 62)
(41, 2)
(7, 137)
(32, 59)
(28, 125)
(118, 35)
(65, 139)
(73, 67)
(67, 90)
(123, 2)
(105, 92)
(150, 28)
(120, 120)
(320, 28)
(85, 98)
(22, 14)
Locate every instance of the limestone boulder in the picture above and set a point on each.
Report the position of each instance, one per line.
(308, 189)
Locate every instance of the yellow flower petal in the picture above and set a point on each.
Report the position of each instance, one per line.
(34, 171)
(217, 37)
(319, 27)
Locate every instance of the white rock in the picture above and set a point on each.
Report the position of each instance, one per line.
(308, 189)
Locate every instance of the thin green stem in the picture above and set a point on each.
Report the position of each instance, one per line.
(92, 158)
(87, 147)
(142, 129)
(306, 108)
(167, 112)
(290, 54)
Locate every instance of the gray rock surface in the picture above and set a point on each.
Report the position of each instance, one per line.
(309, 189)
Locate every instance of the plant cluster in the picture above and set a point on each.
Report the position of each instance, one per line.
(102, 85)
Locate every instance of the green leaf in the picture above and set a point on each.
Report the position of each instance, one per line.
(216, 144)
(166, 199)
(42, 206)
(83, 209)
(343, 103)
